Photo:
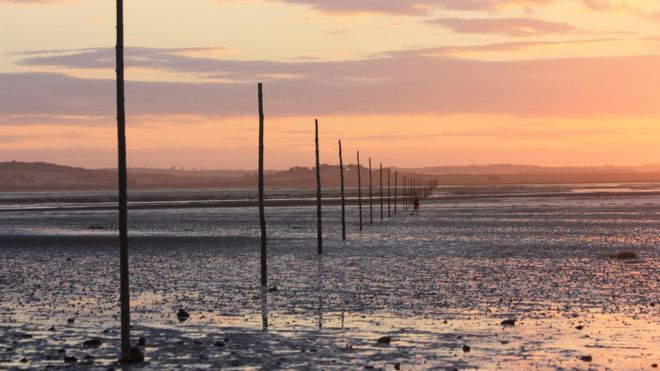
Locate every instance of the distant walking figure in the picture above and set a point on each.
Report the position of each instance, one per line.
(416, 205)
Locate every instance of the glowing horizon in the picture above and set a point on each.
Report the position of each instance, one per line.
(411, 83)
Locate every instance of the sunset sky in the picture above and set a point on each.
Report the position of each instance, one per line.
(408, 82)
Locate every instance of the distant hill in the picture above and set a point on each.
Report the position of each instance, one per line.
(511, 169)
(24, 176)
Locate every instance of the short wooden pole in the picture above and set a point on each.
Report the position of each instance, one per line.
(389, 200)
(396, 184)
(381, 191)
(359, 188)
(371, 198)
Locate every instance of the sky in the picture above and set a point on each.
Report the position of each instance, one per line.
(410, 83)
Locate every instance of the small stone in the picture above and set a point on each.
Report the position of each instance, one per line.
(580, 327)
(51, 329)
(182, 315)
(586, 359)
(71, 320)
(466, 348)
(508, 322)
(385, 340)
(93, 343)
(273, 289)
(625, 255)
(142, 341)
(397, 366)
(655, 365)
(24, 360)
(70, 359)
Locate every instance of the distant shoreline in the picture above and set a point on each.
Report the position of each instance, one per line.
(45, 177)
(106, 200)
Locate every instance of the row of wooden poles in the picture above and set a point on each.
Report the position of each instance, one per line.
(411, 187)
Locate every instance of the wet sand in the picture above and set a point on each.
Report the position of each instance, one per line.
(438, 285)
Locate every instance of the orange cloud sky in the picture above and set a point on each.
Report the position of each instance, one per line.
(453, 82)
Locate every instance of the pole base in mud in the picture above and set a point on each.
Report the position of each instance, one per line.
(133, 357)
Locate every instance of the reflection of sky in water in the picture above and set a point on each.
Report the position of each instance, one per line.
(471, 262)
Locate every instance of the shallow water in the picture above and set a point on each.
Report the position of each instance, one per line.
(433, 283)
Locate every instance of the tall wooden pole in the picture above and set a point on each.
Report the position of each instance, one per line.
(381, 191)
(124, 291)
(396, 184)
(359, 188)
(343, 199)
(389, 200)
(262, 210)
(371, 199)
(319, 222)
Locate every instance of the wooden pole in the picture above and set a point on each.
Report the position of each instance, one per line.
(412, 191)
(262, 210)
(319, 222)
(381, 191)
(343, 199)
(396, 184)
(359, 188)
(404, 188)
(389, 200)
(264, 308)
(124, 287)
(403, 193)
(371, 199)
(408, 193)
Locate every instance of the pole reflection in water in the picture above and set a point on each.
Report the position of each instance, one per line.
(319, 291)
(264, 308)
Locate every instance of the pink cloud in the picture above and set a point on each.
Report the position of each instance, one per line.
(411, 7)
(515, 27)
(404, 82)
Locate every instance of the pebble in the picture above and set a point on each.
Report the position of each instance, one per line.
(385, 340)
